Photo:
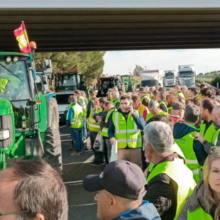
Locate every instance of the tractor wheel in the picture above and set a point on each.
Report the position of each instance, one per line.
(53, 149)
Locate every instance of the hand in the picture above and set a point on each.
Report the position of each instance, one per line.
(199, 137)
(112, 140)
(87, 120)
(99, 119)
(131, 110)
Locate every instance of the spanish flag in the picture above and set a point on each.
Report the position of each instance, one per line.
(22, 38)
(74, 69)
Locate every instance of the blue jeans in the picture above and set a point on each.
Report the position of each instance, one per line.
(76, 134)
(84, 129)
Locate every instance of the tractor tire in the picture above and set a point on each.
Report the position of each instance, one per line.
(53, 148)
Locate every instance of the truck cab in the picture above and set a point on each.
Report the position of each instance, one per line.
(186, 75)
(169, 78)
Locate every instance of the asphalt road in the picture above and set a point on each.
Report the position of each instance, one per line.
(81, 203)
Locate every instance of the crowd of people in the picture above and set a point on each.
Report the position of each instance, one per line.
(167, 165)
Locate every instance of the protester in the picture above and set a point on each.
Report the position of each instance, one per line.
(125, 127)
(31, 189)
(202, 86)
(75, 122)
(155, 110)
(120, 190)
(92, 97)
(169, 101)
(116, 100)
(207, 128)
(109, 107)
(179, 92)
(183, 136)
(178, 110)
(216, 137)
(94, 128)
(161, 98)
(179, 99)
(204, 201)
(170, 181)
(144, 96)
(206, 93)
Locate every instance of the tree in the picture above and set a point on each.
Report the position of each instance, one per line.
(137, 70)
(90, 63)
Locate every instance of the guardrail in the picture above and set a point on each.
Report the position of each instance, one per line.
(209, 86)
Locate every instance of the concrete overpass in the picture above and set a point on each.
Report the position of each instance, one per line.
(70, 25)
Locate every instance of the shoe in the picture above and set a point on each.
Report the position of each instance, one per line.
(98, 164)
(93, 162)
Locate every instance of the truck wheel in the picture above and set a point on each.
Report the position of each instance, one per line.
(53, 148)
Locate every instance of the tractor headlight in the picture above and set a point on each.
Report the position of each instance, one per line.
(8, 59)
(4, 134)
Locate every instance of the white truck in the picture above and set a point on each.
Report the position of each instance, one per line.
(169, 78)
(151, 77)
(186, 75)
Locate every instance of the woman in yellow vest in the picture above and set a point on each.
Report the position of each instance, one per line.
(204, 203)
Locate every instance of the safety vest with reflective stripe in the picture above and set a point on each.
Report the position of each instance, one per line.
(186, 145)
(181, 94)
(67, 114)
(170, 108)
(3, 84)
(82, 103)
(150, 115)
(215, 137)
(199, 213)
(104, 132)
(199, 96)
(77, 121)
(126, 132)
(183, 177)
(145, 97)
(160, 103)
(93, 125)
(209, 132)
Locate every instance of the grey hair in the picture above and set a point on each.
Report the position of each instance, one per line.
(116, 95)
(153, 104)
(115, 88)
(159, 135)
(72, 98)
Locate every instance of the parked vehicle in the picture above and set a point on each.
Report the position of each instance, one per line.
(128, 83)
(186, 75)
(169, 78)
(151, 77)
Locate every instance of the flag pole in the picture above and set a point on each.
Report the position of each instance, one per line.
(30, 55)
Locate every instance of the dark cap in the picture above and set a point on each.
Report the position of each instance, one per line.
(121, 178)
(142, 89)
(178, 106)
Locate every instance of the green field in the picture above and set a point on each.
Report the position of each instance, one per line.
(207, 80)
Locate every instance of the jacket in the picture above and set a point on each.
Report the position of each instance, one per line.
(138, 120)
(146, 211)
(90, 106)
(180, 130)
(194, 201)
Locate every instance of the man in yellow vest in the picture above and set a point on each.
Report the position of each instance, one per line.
(75, 122)
(207, 129)
(92, 97)
(109, 108)
(161, 98)
(183, 136)
(170, 181)
(94, 128)
(125, 127)
(144, 96)
(116, 100)
(216, 137)
(155, 110)
(179, 92)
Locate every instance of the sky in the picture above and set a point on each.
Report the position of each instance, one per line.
(119, 62)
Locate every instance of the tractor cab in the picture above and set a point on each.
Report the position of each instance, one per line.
(128, 83)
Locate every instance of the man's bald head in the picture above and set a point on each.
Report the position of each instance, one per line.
(216, 116)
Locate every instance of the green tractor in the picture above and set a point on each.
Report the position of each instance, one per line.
(128, 83)
(29, 119)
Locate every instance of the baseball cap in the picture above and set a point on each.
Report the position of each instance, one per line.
(121, 178)
(178, 106)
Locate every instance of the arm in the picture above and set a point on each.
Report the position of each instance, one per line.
(70, 116)
(139, 121)
(90, 106)
(111, 130)
(208, 145)
(160, 192)
(200, 152)
(183, 213)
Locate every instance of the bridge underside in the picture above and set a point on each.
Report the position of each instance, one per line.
(116, 29)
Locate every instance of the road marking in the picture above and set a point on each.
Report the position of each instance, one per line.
(90, 159)
(83, 204)
(67, 140)
(65, 135)
(62, 126)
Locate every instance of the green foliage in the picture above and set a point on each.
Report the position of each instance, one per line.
(90, 63)
(215, 81)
